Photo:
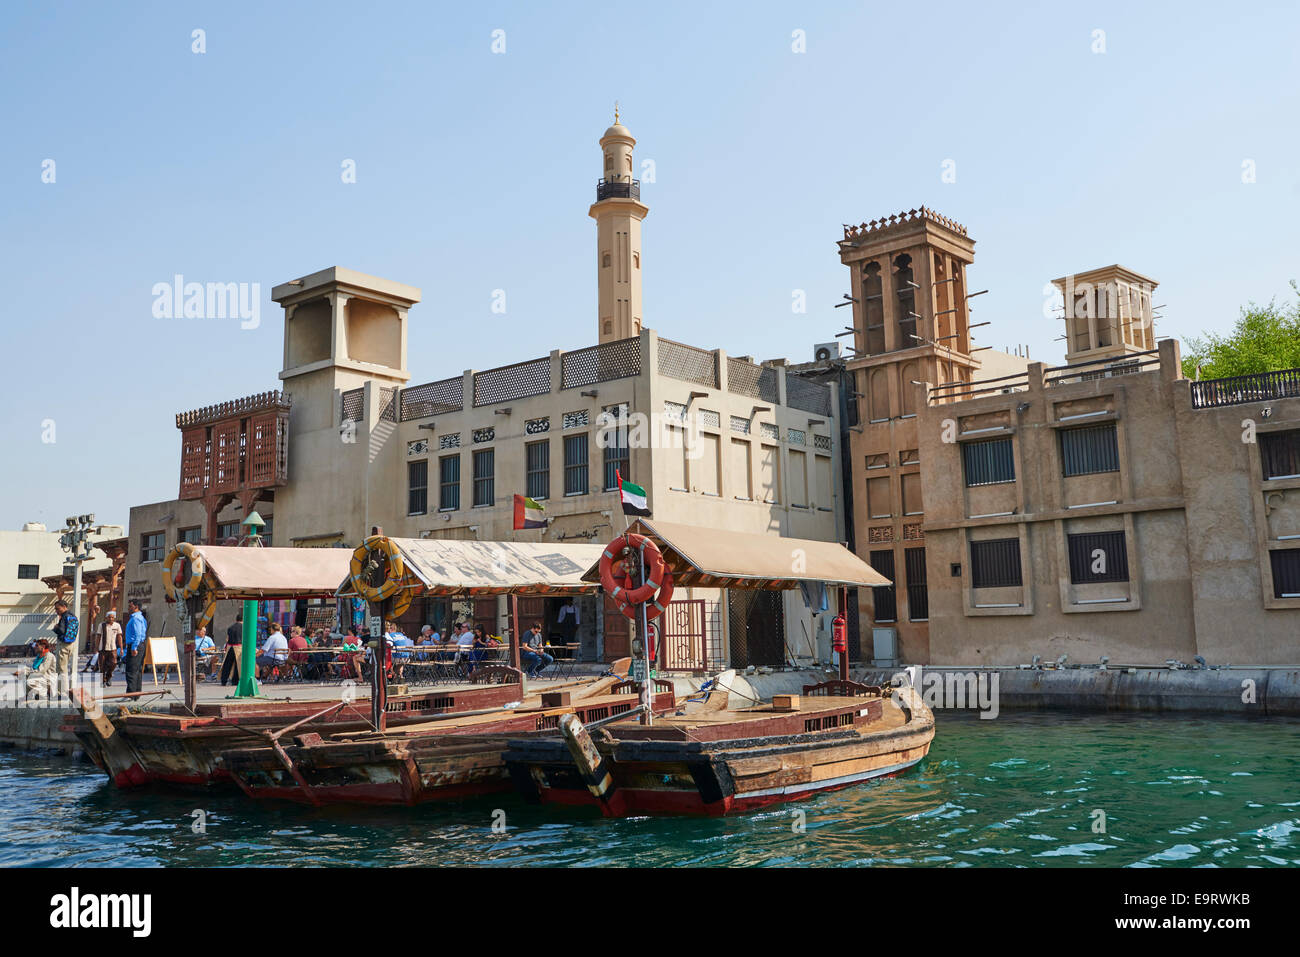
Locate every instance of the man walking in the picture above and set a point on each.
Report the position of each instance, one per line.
(65, 633)
(110, 646)
(133, 646)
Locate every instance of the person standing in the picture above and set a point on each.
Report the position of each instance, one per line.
(234, 640)
(133, 646)
(110, 646)
(65, 633)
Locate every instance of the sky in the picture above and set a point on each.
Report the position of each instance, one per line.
(1159, 136)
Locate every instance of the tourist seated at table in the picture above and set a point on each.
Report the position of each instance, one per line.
(275, 650)
(531, 655)
(398, 640)
(298, 645)
(41, 676)
(480, 647)
(205, 652)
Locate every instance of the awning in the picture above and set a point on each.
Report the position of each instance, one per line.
(719, 558)
(456, 567)
(275, 572)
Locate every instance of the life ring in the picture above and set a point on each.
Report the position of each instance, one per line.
(173, 589)
(400, 604)
(658, 586)
(396, 569)
(209, 613)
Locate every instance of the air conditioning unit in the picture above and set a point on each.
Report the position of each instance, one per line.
(825, 351)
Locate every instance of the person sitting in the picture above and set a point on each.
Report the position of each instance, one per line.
(298, 645)
(531, 655)
(397, 639)
(480, 647)
(275, 651)
(205, 651)
(41, 676)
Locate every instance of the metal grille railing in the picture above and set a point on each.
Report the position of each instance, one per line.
(808, 396)
(620, 359)
(433, 398)
(354, 404)
(746, 378)
(1237, 390)
(516, 381)
(678, 361)
(388, 405)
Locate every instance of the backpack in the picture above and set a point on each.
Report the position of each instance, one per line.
(70, 635)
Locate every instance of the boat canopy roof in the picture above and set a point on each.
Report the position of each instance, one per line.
(274, 572)
(720, 558)
(447, 567)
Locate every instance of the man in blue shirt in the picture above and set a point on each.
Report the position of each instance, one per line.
(133, 646)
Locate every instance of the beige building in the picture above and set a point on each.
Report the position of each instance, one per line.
(29, 560)
(1104, 507)
(716, 440)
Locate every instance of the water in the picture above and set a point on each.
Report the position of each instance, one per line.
(1020, 790)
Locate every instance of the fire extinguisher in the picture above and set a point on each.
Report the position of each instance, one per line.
(840, 643)
(840, 635)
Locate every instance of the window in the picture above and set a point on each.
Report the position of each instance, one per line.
(798, 472)
(1279, 453)
(705, 471)
(1089, 451)
(989, 462)
(192, 535)
(995, 563)
(227, 530)
(448, 483)
(1097, 557)
(885, 602)
(29, 571)
(918, 591)
(537, 469)
(575, 464)
(742, 478)
(616, 447)
(151, 547)
(485, 477)
(417, 487)
(769, 477)
(1286, 572)
(267, 530)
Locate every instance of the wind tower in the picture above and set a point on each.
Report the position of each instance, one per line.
(618, 212)
(910, 325)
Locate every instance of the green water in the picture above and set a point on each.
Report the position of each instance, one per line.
(1020, 791)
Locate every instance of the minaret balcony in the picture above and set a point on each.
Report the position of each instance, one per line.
(625, 189)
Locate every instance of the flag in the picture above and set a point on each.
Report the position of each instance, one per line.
(633, 497)
(528, 514)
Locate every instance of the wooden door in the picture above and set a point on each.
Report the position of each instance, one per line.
(618, 632)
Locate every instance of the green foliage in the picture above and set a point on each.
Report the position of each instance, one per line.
(1265, 338)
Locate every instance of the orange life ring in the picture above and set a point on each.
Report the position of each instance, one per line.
(657, 588)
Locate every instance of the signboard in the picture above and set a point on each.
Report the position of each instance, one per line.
(321, 616)
(376, 626)
(638, 670)
(142, 590)
(162, 651)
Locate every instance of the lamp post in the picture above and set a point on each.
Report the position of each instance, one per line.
(76, 542)
(248, 654)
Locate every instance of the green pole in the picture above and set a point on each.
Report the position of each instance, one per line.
(248, 656)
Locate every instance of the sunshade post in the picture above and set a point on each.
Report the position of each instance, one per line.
(643, 623)
(248, 654)
(516, 634)
(379, 672)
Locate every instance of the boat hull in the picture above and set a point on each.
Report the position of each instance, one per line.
(718, 777)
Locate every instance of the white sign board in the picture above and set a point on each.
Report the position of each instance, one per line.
(376, 626)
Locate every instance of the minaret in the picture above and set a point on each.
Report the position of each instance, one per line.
(618, 212)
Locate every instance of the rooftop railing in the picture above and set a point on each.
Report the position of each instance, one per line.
(1238, 390)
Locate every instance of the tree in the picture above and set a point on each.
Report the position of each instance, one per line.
(1265, 338)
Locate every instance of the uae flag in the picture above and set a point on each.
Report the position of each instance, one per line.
(528, 514)
(633, 497)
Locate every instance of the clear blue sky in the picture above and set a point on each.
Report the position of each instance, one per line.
(475, 171)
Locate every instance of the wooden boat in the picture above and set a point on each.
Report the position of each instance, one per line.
(834, 736)
(444, 758)
(181, 747)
